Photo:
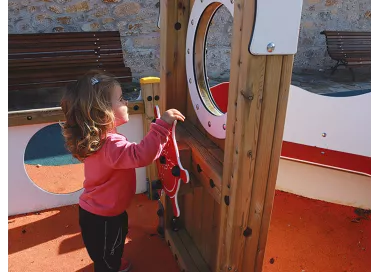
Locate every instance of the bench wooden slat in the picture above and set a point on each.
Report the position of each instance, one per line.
(56, 84)
(33, 76)
(17, 42)
(66, 54)
(349, 48)
(66, 35)
(346, 33)
(62, 62)
(67, 49)
(53, 59)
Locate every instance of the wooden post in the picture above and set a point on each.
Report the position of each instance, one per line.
(174, 17)
(258, 93)
(150, 91)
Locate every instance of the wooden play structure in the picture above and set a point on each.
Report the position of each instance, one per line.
(236, 149)
(233, 167)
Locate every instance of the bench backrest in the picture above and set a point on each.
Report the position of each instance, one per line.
(348, 44)
(54, 59)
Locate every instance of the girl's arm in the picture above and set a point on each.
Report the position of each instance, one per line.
(122, 154)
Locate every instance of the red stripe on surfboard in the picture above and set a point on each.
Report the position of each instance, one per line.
(327, 157)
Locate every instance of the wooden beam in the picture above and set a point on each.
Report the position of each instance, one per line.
(147, 84)
(256, 115)
(205, 167)
(286, 75)
(54, 115)
(174, 16)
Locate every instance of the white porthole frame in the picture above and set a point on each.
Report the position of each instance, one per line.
(214, 123)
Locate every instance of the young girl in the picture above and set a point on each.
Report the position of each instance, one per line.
(94, 107)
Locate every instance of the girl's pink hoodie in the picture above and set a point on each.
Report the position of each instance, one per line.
(110, 177)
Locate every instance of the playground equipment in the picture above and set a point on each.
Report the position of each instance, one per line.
(315, 146)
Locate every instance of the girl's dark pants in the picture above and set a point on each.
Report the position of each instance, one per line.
(104, 238)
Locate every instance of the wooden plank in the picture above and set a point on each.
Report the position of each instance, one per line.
(285, 81)
(259, 169)
(205, 179)
(209, 144)
(53, 115)
(253, 96)
(197, 215)
(177, 98)
(147, 95)
(215, 236)
(53, 47)
(224, 238)
(210, 167)
(168, 40)
(188, 212)
(180, 252)
(207, 228)
(193, 251)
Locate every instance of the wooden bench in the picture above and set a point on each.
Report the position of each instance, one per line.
(54, 59)
(349, 48)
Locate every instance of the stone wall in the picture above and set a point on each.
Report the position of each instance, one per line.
(137, 22)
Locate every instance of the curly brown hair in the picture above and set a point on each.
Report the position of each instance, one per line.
(87, 106)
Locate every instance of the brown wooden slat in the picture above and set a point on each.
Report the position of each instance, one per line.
(31, 83)
(54, 59)
(31, 41)
(25, 74)
(64, 35)
(61, 48)
(58, 84)
(53, 40)
(346, 33)
(350, 47)
(64, 62)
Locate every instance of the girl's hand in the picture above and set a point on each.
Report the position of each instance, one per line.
(171, 115)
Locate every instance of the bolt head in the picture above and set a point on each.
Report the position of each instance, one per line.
(270, 47)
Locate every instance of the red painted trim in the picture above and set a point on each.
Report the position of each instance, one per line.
(220, 94)
(327, 157)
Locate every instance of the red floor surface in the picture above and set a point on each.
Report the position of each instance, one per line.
(305, 235)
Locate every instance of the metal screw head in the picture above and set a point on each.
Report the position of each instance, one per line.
(190, 80)
(192, 22)
(209, 123)
(324, 134)
(232, 1)
(224, 126)
(188, 51)
(270, 47)
(197, 106)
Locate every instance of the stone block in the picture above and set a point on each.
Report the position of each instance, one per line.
(126, 9)
(79, 7)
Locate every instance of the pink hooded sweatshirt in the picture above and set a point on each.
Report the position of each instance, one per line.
(110, 177)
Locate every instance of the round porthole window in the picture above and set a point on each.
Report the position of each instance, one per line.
(210, 109)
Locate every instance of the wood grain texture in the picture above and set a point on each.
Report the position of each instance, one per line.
(53, 115)
(252, 114)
